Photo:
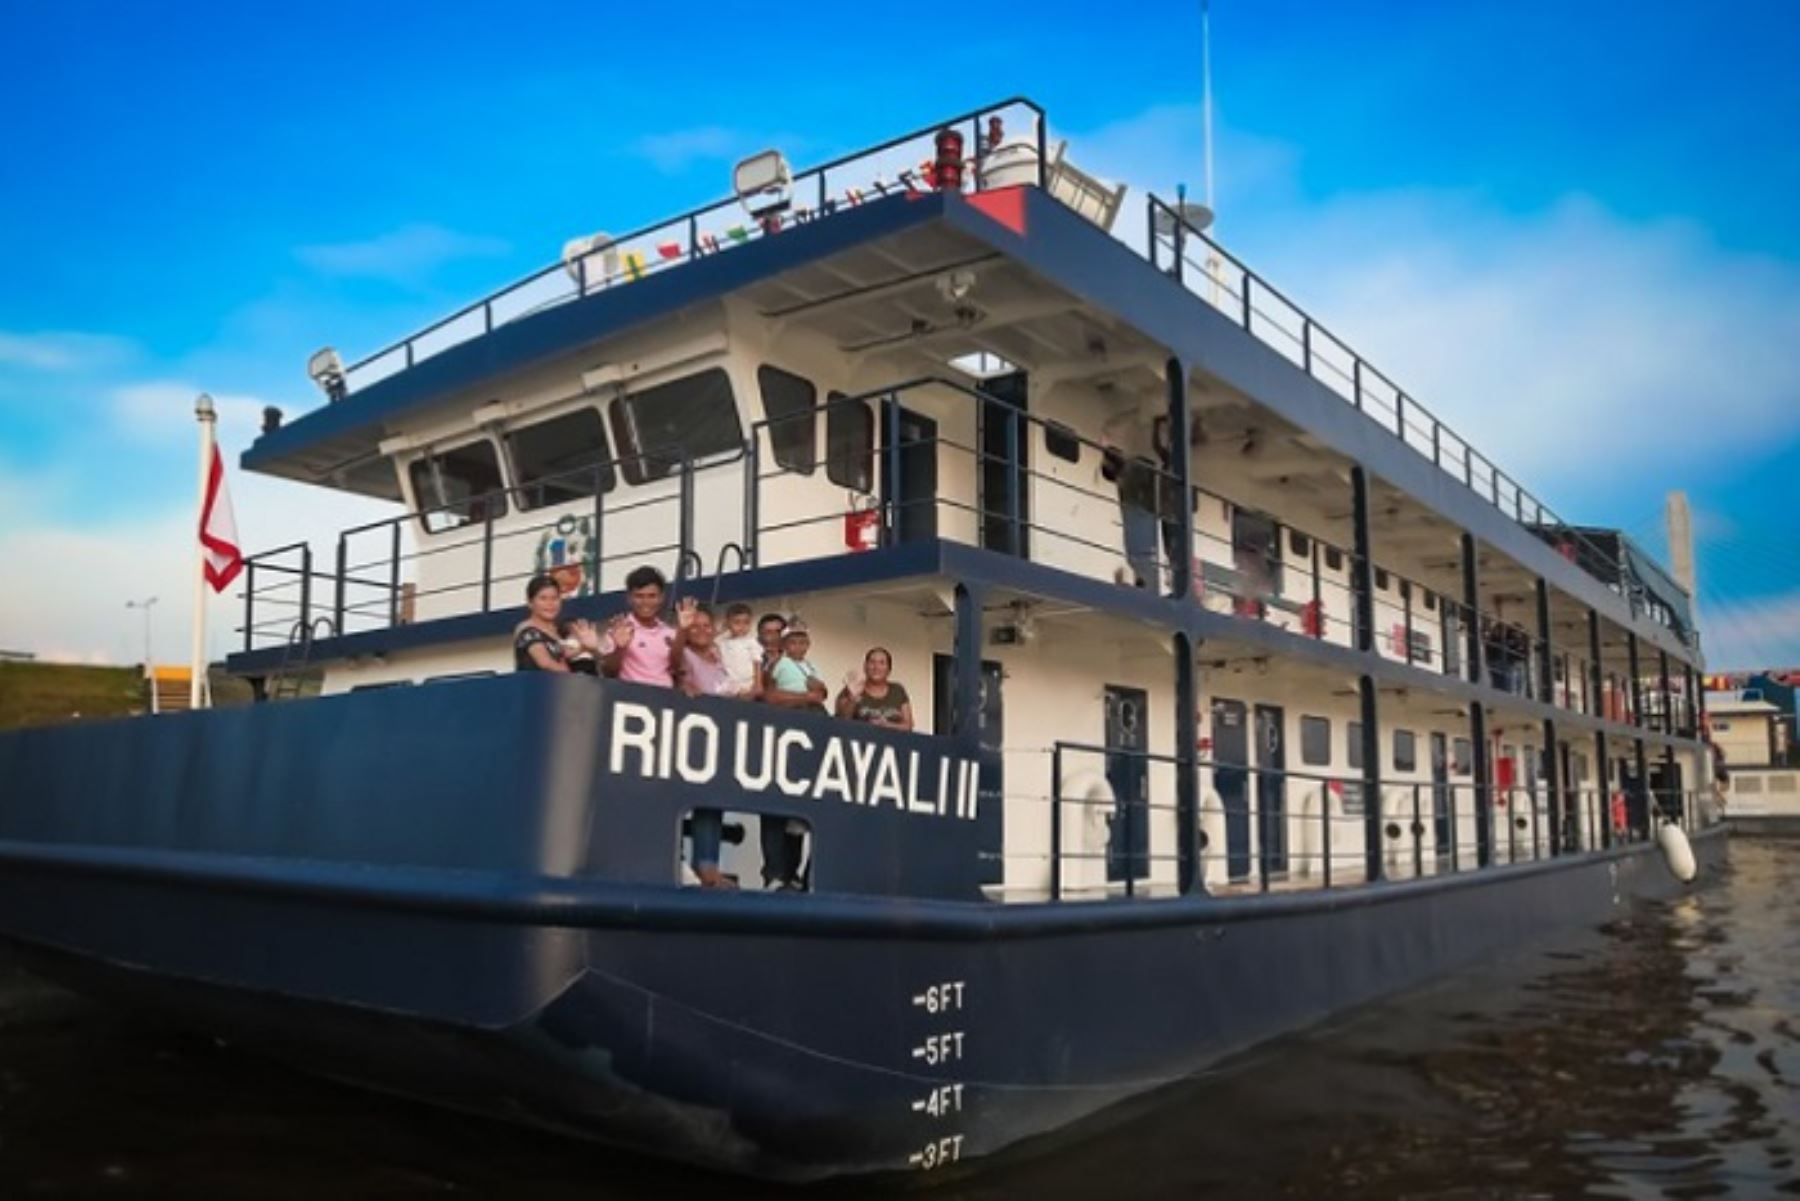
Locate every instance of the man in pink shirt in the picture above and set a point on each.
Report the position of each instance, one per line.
(643, 643)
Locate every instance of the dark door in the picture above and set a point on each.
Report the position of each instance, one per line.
(1231, 780)
(1443, 829)
(913, 495)
(1271, 789)
(1127, 738)
(1005, 455)
(993, 724)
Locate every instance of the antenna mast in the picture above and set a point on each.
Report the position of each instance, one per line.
(1206, 105)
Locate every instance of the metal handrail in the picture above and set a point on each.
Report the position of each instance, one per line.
(1543, 522)
(687, 225)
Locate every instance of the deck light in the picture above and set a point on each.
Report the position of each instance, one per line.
(763, 183)
(326, 369)
(577, 252)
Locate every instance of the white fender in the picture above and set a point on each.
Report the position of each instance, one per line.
(1677, 853)
(1088, 803)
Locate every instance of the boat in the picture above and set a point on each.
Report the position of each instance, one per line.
(1243, 690)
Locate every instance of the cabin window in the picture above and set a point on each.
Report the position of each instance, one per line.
(1462, 757)
(1256, 552)
(1353, 749)
(1406, 751)
(1405, 590)
(458, 486)
(693, 418)
(1721, 727)
(790, 403)
(1061, 442)
(1315, 741)
(558, 460)
(850, 443)
(1299, 545)
(1430, 600)
(1381, 580)
(1334, 558)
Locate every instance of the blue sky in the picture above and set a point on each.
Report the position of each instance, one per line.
(1566, 228)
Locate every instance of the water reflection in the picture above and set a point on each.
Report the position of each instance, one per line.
(1659, 1057)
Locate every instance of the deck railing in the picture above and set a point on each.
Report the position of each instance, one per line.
(892, 166)
(1206, 269)
(382, 573)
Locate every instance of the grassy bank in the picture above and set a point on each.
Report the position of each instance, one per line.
(39, 694)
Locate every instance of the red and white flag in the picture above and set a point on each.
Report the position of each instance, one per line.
(218, 529)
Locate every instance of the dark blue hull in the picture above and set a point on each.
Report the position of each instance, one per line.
(785, 1035)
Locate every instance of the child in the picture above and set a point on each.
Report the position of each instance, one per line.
(741, 652)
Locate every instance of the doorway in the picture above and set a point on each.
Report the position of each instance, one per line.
(912, 497)
(1127, 771)
(1443, 828)
(1271, 790)
(1005, 477)
(1231, 780)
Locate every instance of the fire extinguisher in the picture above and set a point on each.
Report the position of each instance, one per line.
(862, 527)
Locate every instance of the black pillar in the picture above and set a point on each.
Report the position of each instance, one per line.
(1668, 702)
(1546, 690)
(1691, 701)
(1471, 583)
(1371, 777)
(1484, 797)
(1181, 420)
(1674, 802)
(1362, 569)
(1603, 787)
(1553, 792)
(1595, 707)
(965, 714)
(1643, 775)
(1187, 769)
(1637, 683)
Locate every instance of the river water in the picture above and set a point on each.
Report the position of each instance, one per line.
(1659, 1057)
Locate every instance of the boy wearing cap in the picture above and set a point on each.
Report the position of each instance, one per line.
(794, 683)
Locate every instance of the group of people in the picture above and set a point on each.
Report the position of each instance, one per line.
(766, 662)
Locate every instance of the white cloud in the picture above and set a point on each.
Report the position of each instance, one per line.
(1762, 631)
(60, 350)
(1584, 351)
(163, 410)
(68, 584)
(678, 149)
(407, 256)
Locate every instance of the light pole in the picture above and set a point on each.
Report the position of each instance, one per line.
(149, 663)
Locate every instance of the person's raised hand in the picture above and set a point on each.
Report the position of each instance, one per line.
(685, 608)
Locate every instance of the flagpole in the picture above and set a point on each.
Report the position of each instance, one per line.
(204, 414)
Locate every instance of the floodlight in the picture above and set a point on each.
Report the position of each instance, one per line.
(763, 182)
(577, 252)
(326, 369)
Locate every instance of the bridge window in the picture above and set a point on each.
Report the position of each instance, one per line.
(791, 405)
(693, 417)
(557, 460)
(458, 486)
(1406, 751)
(850, 443)
(1353, 737)
(1299, 545)
(1315, 741)
(1334, 559)
(1462, 757)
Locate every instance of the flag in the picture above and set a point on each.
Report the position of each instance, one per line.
(634, 264)
(218, 529)
(738, 233)
(669, 250)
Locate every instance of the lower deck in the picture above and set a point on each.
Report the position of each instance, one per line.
(1080, 707)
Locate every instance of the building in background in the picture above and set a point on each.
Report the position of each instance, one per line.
(1751, 717)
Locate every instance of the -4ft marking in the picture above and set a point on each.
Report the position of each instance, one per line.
(940, 1101)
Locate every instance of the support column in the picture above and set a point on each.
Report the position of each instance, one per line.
(1691, 697)
(1362, 569)
(965, 714)
(1637, 683)
(1187, 768)
(1553, 791)
(1604, 788)
(1471, 583)
(1668, 701)
(1371, 777)
(1546, 689)
(1675, 806)
(1643, 774)
(1484, 795)
(1596, 706)
(1181, 566)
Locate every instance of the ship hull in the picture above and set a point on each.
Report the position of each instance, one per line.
(783, 1036)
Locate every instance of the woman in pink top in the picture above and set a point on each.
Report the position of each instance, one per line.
(644, 644)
